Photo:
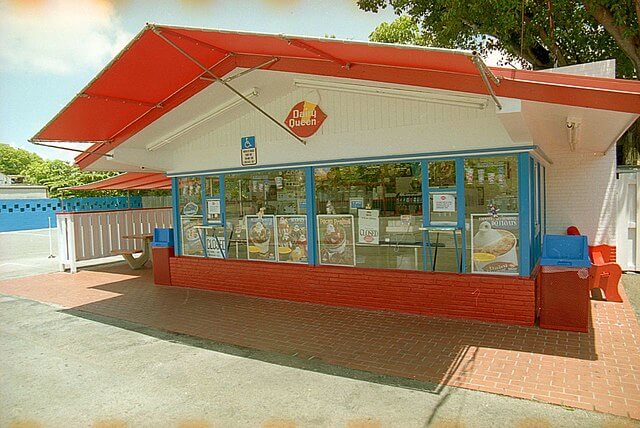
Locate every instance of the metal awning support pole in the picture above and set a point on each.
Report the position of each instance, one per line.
(91, 152)
(227, 85)
(300, 44)
(486, 74)
(247, 71)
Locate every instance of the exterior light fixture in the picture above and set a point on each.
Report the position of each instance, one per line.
(573, 129)
(201, 120)
(404, 94)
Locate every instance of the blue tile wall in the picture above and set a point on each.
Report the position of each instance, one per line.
(26, 214)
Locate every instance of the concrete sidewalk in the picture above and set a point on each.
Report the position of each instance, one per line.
(64, 370)
(599, 370)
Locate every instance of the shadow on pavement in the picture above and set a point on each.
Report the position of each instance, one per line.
(397, 349)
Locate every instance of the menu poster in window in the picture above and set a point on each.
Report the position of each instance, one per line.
(336, 242)
(292, 238)
(494, 243)
(190, 236)
(215, 247)
(261, 237)
(368, 227)
(213, 210)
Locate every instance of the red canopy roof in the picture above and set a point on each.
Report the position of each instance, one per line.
(130, 181)
(150, 77)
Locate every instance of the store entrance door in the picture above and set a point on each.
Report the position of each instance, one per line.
(443, 223)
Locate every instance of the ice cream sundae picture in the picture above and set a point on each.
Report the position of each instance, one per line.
(494, 244)
(292, 238)
(260, 237)
(336, 239)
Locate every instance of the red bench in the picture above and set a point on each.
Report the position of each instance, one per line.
(605, 273)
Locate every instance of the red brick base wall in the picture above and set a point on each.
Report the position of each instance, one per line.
(503, 299)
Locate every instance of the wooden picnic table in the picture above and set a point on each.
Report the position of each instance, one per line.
(145, 252)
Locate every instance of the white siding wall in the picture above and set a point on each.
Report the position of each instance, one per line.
(356, 126)
(581, 192)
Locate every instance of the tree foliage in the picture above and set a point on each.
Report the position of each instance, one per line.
(54, 174)
(536, 34)
(14, 160)
(57, 174)
(545, 33)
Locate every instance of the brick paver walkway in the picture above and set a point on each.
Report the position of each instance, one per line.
(599, 370)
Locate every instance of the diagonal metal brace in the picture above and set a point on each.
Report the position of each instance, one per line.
(486, 74)
(247, 71)
(91, 152)
(157, 31)
(302, 45)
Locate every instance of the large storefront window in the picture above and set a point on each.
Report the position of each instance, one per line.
(266, 216)
(190, 209)
(491, 202)
(369, 215)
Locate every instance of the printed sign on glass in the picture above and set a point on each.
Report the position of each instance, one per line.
(248, 151)
(190, 236)
(336, 243)
(261, 237)
(368, 227)
(216, 247)
(292, 238)
(356, 203)
(444, 202)
(305, 119)
(213, 210)
(494, 243)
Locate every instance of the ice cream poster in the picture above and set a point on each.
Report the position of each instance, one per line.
(261, 237)
(191, 238)
(336, 243)
(494, 243)
(292, 238)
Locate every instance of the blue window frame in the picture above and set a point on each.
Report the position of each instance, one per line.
(531, 206)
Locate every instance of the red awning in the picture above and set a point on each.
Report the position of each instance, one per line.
(129, 181)
(152, 75)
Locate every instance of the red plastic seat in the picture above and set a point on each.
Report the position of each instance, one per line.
(605, 273)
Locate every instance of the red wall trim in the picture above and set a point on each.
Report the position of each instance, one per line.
(493, 298)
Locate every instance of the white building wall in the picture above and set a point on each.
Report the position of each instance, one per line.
(357, 126)
(581, 186)
(581, 192)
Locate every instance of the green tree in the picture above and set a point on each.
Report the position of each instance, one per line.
(13, 160)
(536, 33)
(57, 174)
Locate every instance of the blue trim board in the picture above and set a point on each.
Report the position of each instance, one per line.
(176, 216)
(524, 205)
(377, 159)
(460, 202)
(310, 200)
(425, 212)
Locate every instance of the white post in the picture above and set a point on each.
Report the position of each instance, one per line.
(50, 241)
(63, 253)
(71, 233)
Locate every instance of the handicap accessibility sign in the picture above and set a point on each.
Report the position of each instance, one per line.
(248, 151)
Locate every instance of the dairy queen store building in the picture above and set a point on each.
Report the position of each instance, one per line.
(357, 174)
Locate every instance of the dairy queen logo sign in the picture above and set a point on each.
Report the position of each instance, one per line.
(305, 119)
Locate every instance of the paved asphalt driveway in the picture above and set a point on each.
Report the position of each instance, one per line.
(61, 369)
(26, 252)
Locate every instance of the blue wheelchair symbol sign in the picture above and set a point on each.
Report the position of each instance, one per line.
(248, 142)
